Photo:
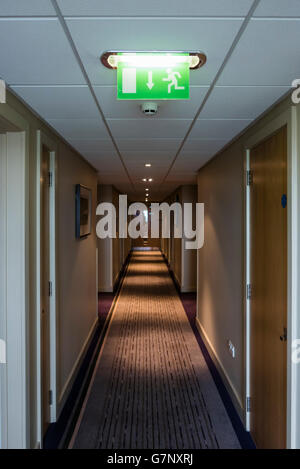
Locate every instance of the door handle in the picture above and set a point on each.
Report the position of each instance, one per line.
(283, 337)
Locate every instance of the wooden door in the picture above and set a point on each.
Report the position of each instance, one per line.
(268, 163)
(45, 286)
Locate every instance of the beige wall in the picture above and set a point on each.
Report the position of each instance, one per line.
(116, 241)
(77, 265)
(105, 276)
(112, 253)
(183, 262)
(177, 260)
(76, 286)
(220, 262)
(189, 256)
(221, 186)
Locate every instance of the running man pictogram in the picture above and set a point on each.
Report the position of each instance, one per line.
(173, 79)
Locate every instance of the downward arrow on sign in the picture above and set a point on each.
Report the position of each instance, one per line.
(150, 83)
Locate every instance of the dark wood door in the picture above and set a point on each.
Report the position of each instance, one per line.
(269, 291)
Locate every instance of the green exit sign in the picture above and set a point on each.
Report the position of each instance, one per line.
(153, 76)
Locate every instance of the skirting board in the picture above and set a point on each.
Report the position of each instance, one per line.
(70, 381)
(188, 289)
(226, 380)
(177, 280)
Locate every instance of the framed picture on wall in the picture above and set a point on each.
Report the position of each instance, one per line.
(83, 218)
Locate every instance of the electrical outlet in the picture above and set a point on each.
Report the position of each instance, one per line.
(231, 348)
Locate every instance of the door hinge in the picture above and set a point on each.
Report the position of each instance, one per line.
(283, 337)
(249, 178)
(248, 404)
(249, 291)
(50, 288)
(50, 397)
(50, 178)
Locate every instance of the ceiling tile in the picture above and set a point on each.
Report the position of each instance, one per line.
(139, 166)
(114, 177)
(26, 8)
(124, 188)
(150, 156)
(114, 108)
(93, 146)
(79, 128)
(190, 161)
(59, 102)
(155, 8)
(155, 144)
(278, 8)
(202, 147)
(95, 36)
(108, 165)
(223, 129)
(182, 178)
(136, 179)
(139, 173)
(99, 161)
(267, 54)
(149, 128)
(37, 52)
(241, 102)
(157, 179)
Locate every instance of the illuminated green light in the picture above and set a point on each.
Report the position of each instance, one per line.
(153, 76)
(152, 60)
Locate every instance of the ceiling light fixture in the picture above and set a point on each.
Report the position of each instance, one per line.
(153, 58)
(148, 165)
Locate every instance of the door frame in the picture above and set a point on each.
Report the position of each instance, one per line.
(14, 375)
(288, 118)
(3, 319)
(51, 145)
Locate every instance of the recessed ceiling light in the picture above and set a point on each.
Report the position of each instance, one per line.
(150, 180)
(148, 165)
(144, 180)
(153, 59)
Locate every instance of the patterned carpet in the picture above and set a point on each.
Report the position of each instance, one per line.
(151, 388)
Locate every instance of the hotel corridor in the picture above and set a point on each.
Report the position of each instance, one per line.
(151, 387)
(149, 227)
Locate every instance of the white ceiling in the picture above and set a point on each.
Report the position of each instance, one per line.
(51, 60)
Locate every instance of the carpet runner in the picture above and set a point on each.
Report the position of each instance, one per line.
(151, 388)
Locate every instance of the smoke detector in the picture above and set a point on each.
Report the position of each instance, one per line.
(149, 109)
